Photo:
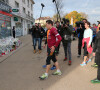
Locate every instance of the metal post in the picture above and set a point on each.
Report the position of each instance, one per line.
(41, 10)
(57, 10)
(40, 14)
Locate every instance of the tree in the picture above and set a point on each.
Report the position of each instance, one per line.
(76, 16)
(59, 6)
(55, 18)
(84, 15)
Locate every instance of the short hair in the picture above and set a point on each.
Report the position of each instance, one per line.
(94, 24)
(49, 22)
(85, 19)
(61, 22)
(57, 22)
(88, 23)
(67, 20)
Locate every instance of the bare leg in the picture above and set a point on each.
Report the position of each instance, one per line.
(88, 56)
(85, 57)
(48, 68)
(57, 65)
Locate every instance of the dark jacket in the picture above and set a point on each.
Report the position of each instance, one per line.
(66, 31)
(59, 29)
(80, 31)
(42, 32)
(36, 32)
(97, 49)
(46, 37)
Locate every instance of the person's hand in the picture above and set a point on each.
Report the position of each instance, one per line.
(52, 49)
(66, 25)
(88, 46)
(93, 53)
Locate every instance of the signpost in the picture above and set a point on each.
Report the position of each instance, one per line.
(15, 10)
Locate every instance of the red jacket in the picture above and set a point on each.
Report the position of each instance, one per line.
(90, 49)
(53, 38)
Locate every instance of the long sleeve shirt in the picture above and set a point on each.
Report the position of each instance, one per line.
(53, 38)
(88, 33)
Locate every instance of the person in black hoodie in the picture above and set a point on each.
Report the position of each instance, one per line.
(97, 57)
(42, 33)
(36, 37)
(80, 32)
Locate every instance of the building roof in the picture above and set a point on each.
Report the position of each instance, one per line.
(45, 18)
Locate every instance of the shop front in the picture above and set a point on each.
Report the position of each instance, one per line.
(5, 20)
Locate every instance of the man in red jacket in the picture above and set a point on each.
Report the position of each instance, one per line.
(53, 41)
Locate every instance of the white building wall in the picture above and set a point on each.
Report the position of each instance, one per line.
(23, 18)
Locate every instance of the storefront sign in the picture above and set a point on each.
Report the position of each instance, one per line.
(15, 10)
(15, 18)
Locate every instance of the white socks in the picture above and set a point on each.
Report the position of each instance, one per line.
(58, 70)
(46, 74)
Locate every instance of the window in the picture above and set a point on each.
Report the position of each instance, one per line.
(31, 6)
(28, 3)
(5, 1)
(16, 4)
(5, 26)
(32, 15)
(28, 13)
(24, 10)
(2, 0)
(23, 1)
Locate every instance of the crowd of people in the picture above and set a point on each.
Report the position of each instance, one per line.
(37, 35)
(88, 40)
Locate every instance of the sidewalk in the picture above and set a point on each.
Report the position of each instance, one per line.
(24, 42)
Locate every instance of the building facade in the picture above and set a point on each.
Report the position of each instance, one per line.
(22, 16)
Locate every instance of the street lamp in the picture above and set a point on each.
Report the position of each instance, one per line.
(41, 10)
(57, 10)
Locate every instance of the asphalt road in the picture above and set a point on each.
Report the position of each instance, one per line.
(20, 71)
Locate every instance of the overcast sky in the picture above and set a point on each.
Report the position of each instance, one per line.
(90, 7)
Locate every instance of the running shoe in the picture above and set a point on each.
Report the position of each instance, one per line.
(83, 64)
(79, 56)
(44, 66)
(94, 65)
(70, 62)
(88, 61)
(43, 77)
(57, 73)
(53, 67)
(65, 59)
(95, 81)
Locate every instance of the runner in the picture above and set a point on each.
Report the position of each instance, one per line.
(44, 66)
(52, 44)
